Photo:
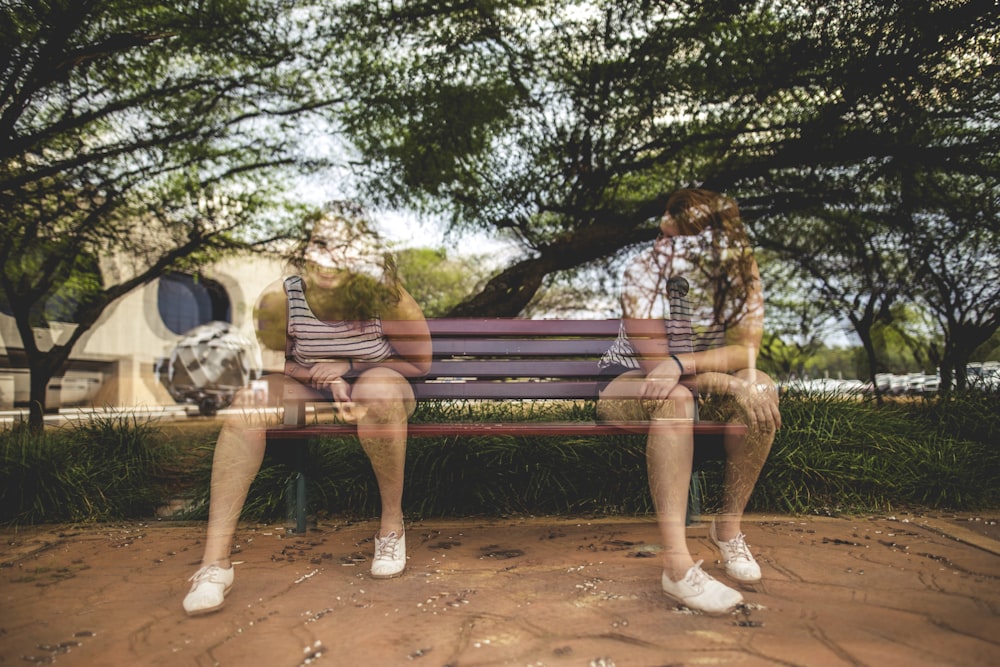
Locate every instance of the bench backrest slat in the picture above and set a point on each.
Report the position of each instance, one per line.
(477, 328)
(513, 368)
(501, 326)
(521, 347)
(476, 389)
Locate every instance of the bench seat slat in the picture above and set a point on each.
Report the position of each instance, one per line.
(475, 389)
(472, 389)
(470, 429)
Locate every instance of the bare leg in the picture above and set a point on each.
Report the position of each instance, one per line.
(387, 401)
(239, 452)
(745, 460)
(237, 460)
(669, 459)
(238, 455)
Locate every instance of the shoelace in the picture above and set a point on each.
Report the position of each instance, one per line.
(207, 572)
(696, 577)
(738, 548)
(385, 547)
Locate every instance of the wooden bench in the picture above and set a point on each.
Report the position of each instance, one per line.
(495, 359)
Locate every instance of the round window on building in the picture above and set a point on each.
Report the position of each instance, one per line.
(187, 301)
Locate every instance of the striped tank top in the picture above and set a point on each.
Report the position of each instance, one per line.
(677, 281)
(314, 340)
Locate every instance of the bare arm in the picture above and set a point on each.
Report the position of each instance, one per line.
(742, 338)
(662, 364)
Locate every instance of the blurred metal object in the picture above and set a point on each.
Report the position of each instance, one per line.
(209, 364)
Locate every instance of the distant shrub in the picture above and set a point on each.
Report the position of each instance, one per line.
(106, 468)
(851, 456)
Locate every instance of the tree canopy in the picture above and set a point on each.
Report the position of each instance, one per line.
(566, 124)
(859, 138)
(137, 138)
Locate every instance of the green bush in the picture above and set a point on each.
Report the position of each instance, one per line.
(452, 476)
(832, 455)
(106, 468)
(851, 456)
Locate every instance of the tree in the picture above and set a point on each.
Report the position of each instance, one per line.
(139, 138)
(797, 321)
(909, 147)
(959, 283)
(436, 281)
(518, 117)
(566, 123)
(854, 265)
(907, 341)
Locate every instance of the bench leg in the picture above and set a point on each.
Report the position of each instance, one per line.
(694, 498)
(296, 491)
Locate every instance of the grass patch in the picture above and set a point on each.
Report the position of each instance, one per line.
(831, 456)
(110, 467)
(851, 456)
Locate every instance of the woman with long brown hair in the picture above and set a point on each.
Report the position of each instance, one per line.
(701, 279)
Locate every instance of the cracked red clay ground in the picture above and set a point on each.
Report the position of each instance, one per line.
(900, 590)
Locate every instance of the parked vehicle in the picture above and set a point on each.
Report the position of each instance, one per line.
(983, 375)
(829, 386)
(908, 384)
(897, 385)
(932, 384)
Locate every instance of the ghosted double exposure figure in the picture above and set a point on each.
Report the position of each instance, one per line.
(208, 365)
(352, 333)
(701, 280)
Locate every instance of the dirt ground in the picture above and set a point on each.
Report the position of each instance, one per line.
(910, 589)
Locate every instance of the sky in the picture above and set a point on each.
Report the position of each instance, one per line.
(405, 228)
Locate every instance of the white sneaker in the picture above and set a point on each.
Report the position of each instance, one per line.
(390, 556)
(699, 591)
(736, 556)
(208, 592)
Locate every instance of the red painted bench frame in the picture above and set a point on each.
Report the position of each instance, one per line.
(497, 359)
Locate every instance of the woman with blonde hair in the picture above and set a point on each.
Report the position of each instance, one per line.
(351, 332)
(701, 279)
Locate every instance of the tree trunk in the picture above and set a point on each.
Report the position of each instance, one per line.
(510, 292)
(42, 367)
(865, 334)
(959, 345)
(38, 383)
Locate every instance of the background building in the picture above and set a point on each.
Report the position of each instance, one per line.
(113, 363)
